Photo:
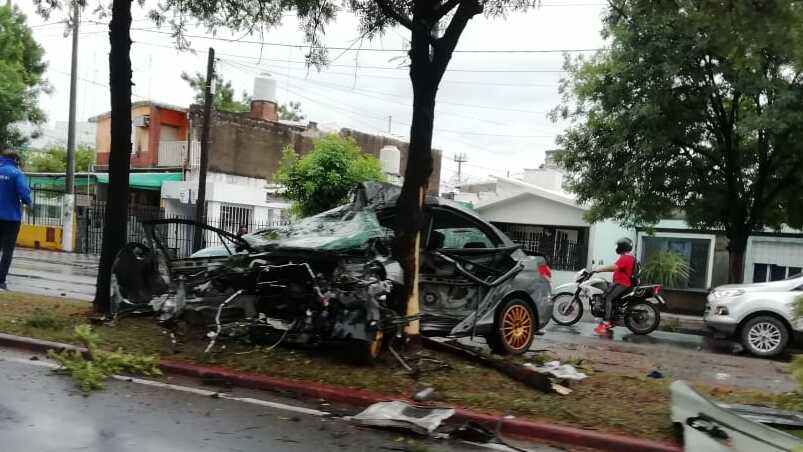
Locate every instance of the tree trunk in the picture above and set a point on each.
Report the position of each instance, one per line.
(737, 245)
(410, 219)
(115, 225)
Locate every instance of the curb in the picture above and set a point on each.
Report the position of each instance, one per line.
(360, 398)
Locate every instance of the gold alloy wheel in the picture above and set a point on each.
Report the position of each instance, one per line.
(517, 327)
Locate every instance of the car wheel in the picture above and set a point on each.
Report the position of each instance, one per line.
(514, 328)
(765, 336)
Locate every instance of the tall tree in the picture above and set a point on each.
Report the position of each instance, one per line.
(322, 179)
(54, 159)
(224, 93)
(694, 107)
(291, 111)
(435, 28)
(21, 81)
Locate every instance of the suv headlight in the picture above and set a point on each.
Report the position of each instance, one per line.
(728, 293)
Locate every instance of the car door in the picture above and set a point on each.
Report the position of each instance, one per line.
(460, 257)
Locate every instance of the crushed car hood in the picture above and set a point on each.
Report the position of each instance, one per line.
(347, 227)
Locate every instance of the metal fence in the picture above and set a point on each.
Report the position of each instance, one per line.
(560, 252)
(178, 237)
(46, 209)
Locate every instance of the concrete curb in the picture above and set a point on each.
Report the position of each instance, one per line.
(538, 430)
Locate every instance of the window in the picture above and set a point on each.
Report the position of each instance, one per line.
(233, 216)
(452, 231)
(563, 248)
(772, 272)
(695, 252)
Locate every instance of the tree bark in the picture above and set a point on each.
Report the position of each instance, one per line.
(115, 226)
(737, 245)
(410, 220)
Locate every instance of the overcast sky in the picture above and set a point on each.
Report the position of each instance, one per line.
(491, 106)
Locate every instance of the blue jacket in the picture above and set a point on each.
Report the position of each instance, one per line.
(13, 190)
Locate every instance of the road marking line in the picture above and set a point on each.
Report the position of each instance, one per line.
(207, 393)
(187, 389)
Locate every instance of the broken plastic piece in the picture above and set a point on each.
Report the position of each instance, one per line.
(555, 369)
(398, 414)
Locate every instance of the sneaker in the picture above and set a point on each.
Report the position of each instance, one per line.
(604, 328)
(3, 286)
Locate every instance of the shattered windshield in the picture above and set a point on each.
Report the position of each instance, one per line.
(338, 229)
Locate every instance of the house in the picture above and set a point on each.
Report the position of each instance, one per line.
(537, 214)
(244, 153)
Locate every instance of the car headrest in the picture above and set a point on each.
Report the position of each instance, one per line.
(436, 241)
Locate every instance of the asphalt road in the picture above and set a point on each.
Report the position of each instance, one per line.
(52, 273)
(42, 412)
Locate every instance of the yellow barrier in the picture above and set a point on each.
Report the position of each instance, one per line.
(40, 237)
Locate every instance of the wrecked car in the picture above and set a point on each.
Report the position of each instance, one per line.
(332, 276)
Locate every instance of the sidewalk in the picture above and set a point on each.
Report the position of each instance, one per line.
(53, 273)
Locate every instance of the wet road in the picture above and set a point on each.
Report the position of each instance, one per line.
(53, 273)
(43, 412)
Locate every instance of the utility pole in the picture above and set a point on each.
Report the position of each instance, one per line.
(68, 208)
(460, 159)
(390, 122)
(200, 204)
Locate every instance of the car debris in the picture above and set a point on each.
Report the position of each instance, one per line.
(704, 426)
(558, 370)
(332, 277)
(398, 414)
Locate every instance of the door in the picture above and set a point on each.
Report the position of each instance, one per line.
(460, 257)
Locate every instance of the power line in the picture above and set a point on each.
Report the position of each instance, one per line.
(400, 96)
(306, 46)
(352, 66)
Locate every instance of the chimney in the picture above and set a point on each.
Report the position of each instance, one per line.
(263, 102)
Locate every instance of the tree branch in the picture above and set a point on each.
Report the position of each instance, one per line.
(445, 8)
(402, 19)
(445, 45)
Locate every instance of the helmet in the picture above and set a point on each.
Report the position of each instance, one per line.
(624, 245)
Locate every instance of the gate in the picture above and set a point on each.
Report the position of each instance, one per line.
(90, 219)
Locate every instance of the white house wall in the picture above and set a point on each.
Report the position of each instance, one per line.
(534, 210)
(783, 251)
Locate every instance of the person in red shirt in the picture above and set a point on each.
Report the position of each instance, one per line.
(622, 281)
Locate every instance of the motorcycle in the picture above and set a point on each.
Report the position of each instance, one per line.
(636, 308)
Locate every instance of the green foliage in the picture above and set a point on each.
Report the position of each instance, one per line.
(322, 179)
(666, 268)
(21, 81)
(797, 363)
(54, 159)
(90, 374)
(224, 93)
(695, 106)
(291, 111)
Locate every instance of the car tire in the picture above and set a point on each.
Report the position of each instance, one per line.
(765, 336)
(514, 328)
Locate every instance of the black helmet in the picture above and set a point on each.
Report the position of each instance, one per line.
(624, 245)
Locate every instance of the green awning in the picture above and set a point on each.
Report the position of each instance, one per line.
(57, 182)
(144, 181)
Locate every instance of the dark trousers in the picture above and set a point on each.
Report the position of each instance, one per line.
(614, 292)
(8, 241)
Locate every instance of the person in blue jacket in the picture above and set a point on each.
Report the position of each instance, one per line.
(14, 191)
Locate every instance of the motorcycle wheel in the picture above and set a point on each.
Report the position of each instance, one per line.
(567, 309)
(642, 317)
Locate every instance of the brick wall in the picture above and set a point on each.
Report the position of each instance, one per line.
(249, 147)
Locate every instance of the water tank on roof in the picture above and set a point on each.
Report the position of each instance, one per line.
(390, 158)
(264, 88)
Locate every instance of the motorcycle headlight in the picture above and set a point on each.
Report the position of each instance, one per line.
(728, 293)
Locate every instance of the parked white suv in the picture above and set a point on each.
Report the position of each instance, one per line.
(760, 315)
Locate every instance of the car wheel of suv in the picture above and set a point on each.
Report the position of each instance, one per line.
(765, 336)
(514, 328)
